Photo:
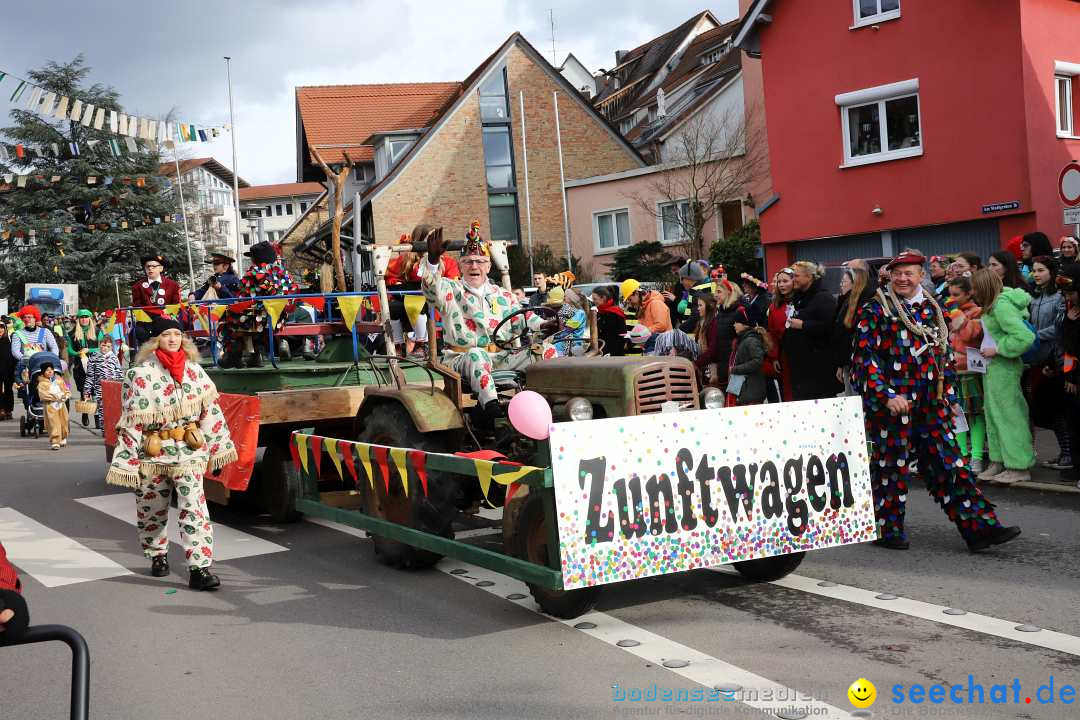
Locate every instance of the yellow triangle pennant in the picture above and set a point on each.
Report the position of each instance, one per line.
(110, 323)
(508, 478)
(483, 474)
(363, 452)
(331, 448)
(172, 309)
(350, 307)
(274, 308)
(141, 316)
(397, 455)
(413, 305)
(301, 449)
(218, 310)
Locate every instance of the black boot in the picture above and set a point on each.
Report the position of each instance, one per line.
(254, 360)
(997, 535)
(893, 543)
(203, 579)
(97, 423)
(85, 419)
(159, 565)
(230, 360)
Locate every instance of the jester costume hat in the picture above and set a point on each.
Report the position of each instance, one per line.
(474, 244)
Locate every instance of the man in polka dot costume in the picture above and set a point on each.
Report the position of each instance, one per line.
(903, 366)
(471, 309)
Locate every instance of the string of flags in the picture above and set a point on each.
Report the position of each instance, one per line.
(116, 225)
(21, 152)
(22, 180)
(307, 451)
(61, 107)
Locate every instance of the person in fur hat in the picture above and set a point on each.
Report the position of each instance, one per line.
(246, 329)
(171, 431)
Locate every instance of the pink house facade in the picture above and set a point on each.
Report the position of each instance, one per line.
(610, 212)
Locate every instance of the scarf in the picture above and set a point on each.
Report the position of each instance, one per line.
(174, 362)
(611, 308)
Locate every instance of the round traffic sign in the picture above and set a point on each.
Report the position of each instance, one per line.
(1069, 184)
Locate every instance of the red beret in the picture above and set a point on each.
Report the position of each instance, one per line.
(908, 258)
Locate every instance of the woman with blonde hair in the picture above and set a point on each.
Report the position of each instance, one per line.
(82, 342)
(808, 336)
(171, 431)
(776, 323)
(1004, 316)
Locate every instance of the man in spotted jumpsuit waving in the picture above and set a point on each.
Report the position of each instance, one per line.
(471, 309)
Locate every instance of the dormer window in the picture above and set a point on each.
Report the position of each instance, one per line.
(872, 12)
(713, 55)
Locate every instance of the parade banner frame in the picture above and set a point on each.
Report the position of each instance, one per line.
(649, 495)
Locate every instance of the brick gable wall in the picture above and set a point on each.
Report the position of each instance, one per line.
(445, 184)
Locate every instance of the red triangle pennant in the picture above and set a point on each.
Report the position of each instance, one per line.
(316, 453)
(295, 454)
(418, 460)
(349, 458)
(510, 492)
(381, 455)
(318, 303)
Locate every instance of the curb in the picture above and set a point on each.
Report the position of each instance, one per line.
(1052, 487)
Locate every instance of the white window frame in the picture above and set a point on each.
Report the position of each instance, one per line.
(660, 221)
(719, 215)
(1065, 71)
(874, 19)
(879, 95)
(597, 250)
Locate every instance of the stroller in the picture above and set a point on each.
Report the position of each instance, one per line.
(32, 424)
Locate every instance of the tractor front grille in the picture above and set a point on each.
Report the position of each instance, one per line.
(659, 384)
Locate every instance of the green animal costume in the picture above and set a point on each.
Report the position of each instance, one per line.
(1007, 429)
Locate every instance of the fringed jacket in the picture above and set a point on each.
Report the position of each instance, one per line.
(152, 402)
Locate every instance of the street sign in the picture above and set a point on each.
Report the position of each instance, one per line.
(1072, 216)
(1069, 184)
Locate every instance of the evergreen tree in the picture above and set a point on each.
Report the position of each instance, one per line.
(740, 252)
(646, 261)
(52, 231)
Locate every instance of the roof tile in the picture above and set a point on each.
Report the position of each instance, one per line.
(258, 192)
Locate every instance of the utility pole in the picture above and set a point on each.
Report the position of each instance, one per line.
(551, 19)
(236, 173)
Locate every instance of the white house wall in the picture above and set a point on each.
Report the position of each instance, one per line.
(728, 106)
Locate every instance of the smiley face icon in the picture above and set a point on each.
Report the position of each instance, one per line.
(862, 693)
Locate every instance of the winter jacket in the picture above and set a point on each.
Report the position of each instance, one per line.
(7, 360)
(719, 341)
(842, 334)
(230, 286)
(776, 324)
(11, 599)
(969, 335)
(683, 310)
(1047, 311)
(746, 360)
(1005, 323)
(807, 349)
(654, 313)
(757, 307)
(610, 326)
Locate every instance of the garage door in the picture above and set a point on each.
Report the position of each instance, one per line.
(979, 236)
(833, 251)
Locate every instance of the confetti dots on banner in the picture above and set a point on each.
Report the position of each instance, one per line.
(621, 531)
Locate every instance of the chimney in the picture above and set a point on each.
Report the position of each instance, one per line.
(619, 55)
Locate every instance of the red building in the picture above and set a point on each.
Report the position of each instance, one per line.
(941, 126)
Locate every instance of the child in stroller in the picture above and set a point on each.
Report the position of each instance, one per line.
(28, 374)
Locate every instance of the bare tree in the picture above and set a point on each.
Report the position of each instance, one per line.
(338, 178)
(709, 160)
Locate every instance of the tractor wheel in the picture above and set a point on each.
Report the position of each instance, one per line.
(770, 568)
(529, 541)
(390, 424)
(277, 485)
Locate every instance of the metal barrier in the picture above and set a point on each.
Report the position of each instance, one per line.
(80, 662)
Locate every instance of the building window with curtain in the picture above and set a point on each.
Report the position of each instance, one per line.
(499, 158)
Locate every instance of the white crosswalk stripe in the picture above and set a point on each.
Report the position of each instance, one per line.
(51, 558)
(229, 543)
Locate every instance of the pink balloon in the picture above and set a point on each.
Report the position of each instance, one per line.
(530, 414)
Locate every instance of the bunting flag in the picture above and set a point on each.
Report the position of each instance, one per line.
(350, 463)
(485, 472)
(381, 460)
(295, 453)
(332, 450)
(363, 453)
(418, 460)
(172, 309)
(413, 305)
(140, 316)
(318, 303)
(273, 309)
(350, 308)
(397, 455)
(301, 449)
(218, 310)
(316, 453)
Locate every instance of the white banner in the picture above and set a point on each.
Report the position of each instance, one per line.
(655, 494)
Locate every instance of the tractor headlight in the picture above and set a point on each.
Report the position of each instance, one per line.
(712, 398)
(579, 409)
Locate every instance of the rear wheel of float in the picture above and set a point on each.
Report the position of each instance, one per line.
(278, 483)
(770, 568)
(433, 512)
(529, 541)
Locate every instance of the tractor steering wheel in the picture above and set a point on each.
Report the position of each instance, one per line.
(508, 344)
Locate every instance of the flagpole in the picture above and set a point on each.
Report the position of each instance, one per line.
(236, 175)
(183, 215)
(116, 282)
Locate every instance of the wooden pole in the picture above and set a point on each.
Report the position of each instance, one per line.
(338, 178)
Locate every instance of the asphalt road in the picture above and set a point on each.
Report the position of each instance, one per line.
(309, 624)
